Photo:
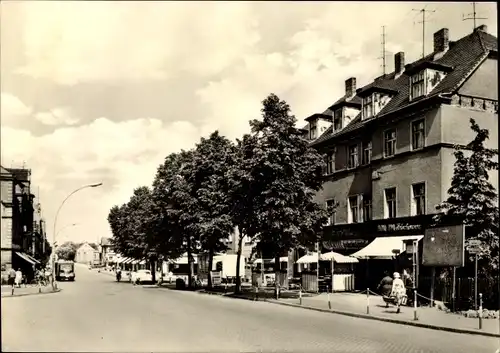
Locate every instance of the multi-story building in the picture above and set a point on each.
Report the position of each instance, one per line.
(23, 236)
(389, 145)
(87, 254)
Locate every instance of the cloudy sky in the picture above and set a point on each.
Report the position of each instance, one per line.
(103, 91)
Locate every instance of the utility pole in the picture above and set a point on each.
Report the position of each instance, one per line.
(383, 51)
(473, 16)
(423, 11)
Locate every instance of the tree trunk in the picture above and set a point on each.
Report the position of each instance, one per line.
(190, 262)
(153, 271)
(238, 260)
(277, 275)
(210, 265)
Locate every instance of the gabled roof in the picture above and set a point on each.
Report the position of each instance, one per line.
(463, 57)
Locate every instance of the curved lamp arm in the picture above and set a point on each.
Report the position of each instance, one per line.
(66, 199)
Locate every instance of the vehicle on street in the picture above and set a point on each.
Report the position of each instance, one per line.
(65, 270)
(141, 276)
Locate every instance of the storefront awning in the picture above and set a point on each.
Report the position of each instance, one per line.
(183, 260)
(308, 259)
(25, 258)
(127, 260)
(338, 258)
(282, 259)
(120, 260)
(383, 248)
(142, 262)
(32, 258)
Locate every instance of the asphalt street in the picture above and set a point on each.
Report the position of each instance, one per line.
(97, 314)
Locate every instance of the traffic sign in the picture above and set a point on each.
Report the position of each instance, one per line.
(474, 243)
(474, 246)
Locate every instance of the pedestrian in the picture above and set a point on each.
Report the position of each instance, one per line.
(19, 278)
(12, 277)
(385, 286)
(398, 290)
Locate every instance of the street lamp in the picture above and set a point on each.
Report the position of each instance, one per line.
(66, 226)
(55, 225)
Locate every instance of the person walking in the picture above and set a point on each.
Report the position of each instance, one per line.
(398, 290)
(385, 286)
(19, 278)
(12, 277)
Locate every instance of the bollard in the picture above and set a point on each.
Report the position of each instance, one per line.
(329, 302)
(300, 296)
(480, 311)
(256, 293)
(415, 315)
(12, 291)
(368, 300)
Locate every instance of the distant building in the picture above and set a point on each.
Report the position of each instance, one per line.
(87, 254)
(22, 228)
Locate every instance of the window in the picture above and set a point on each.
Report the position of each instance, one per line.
(367, 107)
(330, 162)
(337, 119)
(353, 209)
(331, 209)
(367, 208)
(367, 152)
(418, 85)
(313, 129)
(418, 206)
(389, 142)
(353, 157)
(390, 203)
(417, 134)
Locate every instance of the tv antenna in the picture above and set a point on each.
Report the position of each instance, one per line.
(383, 51)
(423, 11)
(473, 16)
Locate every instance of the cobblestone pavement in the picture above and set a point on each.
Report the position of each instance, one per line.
(95, 313)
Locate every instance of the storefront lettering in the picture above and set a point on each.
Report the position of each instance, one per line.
(398, 227)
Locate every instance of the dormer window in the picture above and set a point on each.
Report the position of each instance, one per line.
(368, 106)
(313, 129)
(338, 119)
(418, 85)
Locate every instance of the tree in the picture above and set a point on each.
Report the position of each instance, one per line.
(211, 164)
(175, 195)
(473, 199)
(286, 174)
(67, 251)
(242, 193)
(137, 227)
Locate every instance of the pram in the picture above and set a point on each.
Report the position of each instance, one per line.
(393, 300)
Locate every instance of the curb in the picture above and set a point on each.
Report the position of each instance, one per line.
(28, 294)
(394, 321)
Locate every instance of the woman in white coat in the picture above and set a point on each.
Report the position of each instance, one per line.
(398, 290)
(19, 278)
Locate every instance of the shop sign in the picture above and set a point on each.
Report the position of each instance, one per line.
(398, 227)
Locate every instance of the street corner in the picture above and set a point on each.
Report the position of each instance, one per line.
(27, 291)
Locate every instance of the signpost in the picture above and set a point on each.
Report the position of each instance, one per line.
(216, 278)
(474, 248)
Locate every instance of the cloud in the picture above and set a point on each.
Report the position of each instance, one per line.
(166, 40)
(57, 116)
(122, 155)
(12, 108)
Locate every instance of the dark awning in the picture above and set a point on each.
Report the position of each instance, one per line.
(25, 258)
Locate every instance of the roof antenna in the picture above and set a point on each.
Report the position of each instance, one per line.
(383, 51)
(423, 11)
(472, 16)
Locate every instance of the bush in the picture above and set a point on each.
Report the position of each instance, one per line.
(180, 284)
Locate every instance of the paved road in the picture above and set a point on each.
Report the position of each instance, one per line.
(97, 314)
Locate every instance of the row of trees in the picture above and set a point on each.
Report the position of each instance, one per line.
(263, 185)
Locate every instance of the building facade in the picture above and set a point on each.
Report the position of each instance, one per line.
(389, 145)
(24, 244)
(87, 254)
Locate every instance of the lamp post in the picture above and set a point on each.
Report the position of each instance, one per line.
(55, 225)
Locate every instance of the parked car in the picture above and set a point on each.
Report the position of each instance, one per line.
(142, 276)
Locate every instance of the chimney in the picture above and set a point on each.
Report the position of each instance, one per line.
(350, 87)
(441, 40)
(399, 62)
(482, 28)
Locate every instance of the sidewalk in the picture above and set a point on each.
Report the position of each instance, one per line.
(29, 290)
(355, 305)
